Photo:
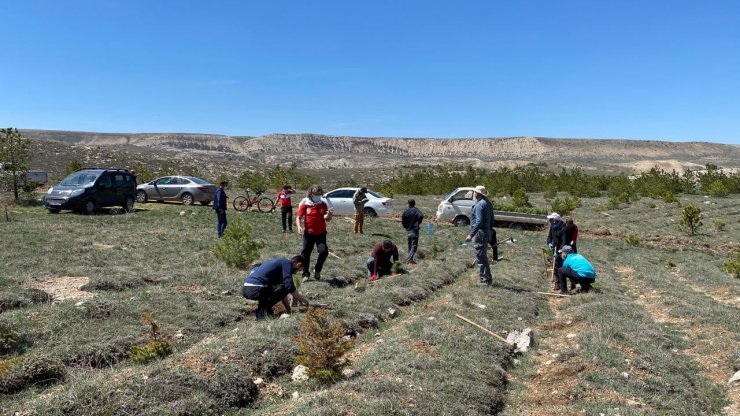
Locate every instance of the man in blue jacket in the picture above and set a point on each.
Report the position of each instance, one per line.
(577, 269)
(480, 233)
(219, 205)
(271, 282)
(411, 220)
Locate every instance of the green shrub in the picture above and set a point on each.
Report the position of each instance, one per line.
(152, 350)
(234, 386)
(616, 201)
(732, 264)
(320, 345)
(719, 224)
(30, 371)
(668, 197)
(718, 189)
(10, 339)
(670, 264)
(74, 166)
(550, 193)
(237, 248)
(159, 345)
(565, 206)
(690, 220)
(520, 198)
(632, 239)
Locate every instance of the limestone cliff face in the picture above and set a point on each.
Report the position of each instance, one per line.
(311, 150)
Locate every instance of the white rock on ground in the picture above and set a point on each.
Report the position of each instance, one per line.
(522, 339)
(300, 373)
(735, 378)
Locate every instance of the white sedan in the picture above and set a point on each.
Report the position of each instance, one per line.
(377, 205)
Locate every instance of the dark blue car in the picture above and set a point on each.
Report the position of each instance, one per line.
(89, 189)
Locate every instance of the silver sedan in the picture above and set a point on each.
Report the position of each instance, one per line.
(185, 189)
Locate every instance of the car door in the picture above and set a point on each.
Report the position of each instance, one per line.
(162, 188)
(462, 202)
(341, 199)
(104, 190)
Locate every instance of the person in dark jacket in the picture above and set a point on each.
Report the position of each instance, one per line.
(381, 260)
(411, 220)
(556, 240)
(219, 205)
(570, 234)
(271, 282)
(480, 233)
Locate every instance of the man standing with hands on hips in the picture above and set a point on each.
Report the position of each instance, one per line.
(314, 212)
(480, 233)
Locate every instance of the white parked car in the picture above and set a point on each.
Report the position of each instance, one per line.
(377, 205)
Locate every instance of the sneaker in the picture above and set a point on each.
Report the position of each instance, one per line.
(317, 275)
(305, 278)
(484, 283)
(411, 263)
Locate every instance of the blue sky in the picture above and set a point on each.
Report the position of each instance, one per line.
(663, 70)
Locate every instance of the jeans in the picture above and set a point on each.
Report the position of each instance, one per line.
(286, 216)
(383, 269)
(359, 221)
(222, 222)
(309, 241)
(480, 244)
(413, 239)
(266, 297)
(571, 274)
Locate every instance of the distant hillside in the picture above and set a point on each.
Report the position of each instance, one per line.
(318, 151)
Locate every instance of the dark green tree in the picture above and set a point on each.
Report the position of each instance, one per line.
(16, 152)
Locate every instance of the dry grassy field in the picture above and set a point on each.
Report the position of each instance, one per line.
(659, 334)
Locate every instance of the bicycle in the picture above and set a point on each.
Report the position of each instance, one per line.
(246, 202)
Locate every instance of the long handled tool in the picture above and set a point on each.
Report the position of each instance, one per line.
(509, 240)
(495, 335)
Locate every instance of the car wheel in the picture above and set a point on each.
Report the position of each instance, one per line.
(519, 226)
(54, 210)
(141, 197)
(128, 206)
(461, 221)
(186, 199)
(369, 212)
(89, 207)
(205, 203)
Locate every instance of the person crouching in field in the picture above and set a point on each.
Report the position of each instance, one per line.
(381, 260)
(575, 268)
(271, 282)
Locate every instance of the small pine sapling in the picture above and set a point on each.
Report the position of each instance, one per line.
(321, 345)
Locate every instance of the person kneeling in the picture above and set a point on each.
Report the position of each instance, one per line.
(271, 282)
(577, 269)
(379, 263)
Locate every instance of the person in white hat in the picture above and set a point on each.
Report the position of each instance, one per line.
(480, 233)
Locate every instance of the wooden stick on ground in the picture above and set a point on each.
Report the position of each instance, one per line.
(497, 336)
(335, 255)
(553, 294)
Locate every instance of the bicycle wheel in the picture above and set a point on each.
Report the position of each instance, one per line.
(241, 203)
(265, 205)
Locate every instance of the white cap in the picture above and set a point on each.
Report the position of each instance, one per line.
(554, 216)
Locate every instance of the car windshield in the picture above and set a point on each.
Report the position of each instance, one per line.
(81, 179)
(196, 180)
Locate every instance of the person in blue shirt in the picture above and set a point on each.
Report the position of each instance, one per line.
(219, 205)
(271, 282)
(480, 233)
(577, 269)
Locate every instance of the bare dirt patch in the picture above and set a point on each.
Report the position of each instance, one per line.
(63, 287)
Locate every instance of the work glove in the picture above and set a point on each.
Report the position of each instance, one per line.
(373, 277)
(549, 245)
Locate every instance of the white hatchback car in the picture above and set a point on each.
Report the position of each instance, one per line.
(377, 205)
